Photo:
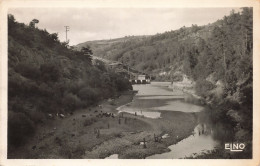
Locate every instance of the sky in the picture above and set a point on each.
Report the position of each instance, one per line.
(88, 24)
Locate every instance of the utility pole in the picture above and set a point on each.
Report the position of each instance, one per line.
(67, 28)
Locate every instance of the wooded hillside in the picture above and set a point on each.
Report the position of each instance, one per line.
(46, 77)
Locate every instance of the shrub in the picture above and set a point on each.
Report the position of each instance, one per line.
(117, 135)
(89, 121)
(37, 116)
(71, 102)
(50, 72)
(14, 86)
(90, 95)
(28, 70)
(203, 87)
(66, 152)
(30, 88)
(122, 84)
(78, 151)
(20, 128)
(44, 90)
(49, 105)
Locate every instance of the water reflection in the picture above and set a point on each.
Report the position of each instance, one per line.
(200, 141)
(179, 105)
(223, 131)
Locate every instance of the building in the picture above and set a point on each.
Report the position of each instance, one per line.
(141, 79)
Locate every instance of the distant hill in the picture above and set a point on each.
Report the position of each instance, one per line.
(154, 54)
(97, 44)
(117, 67)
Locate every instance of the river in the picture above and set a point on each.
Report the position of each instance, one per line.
(163, 99)
(205, 136)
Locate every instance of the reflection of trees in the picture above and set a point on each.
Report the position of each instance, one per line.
(223, 130)
(223, 133)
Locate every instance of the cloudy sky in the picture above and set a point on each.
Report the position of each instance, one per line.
(106, 23)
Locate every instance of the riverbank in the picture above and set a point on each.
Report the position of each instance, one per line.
(76, 136)
(177, 125)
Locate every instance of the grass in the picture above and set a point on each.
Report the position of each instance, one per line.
(123, 139)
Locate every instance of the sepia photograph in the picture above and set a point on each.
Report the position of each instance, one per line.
(130, 83)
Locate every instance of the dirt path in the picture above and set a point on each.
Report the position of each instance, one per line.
(76, 136)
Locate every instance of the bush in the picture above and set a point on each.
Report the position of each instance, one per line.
(14, 86)
(122, 84)
(90, 121)
(20, 128)
(44, 90)
(90, 95)
(70, 102)
(50, 72)
(28, 70)
(66, 152)
(78, 151)
(49, 105)
(203, 87)
(30, 89)
(37, 116)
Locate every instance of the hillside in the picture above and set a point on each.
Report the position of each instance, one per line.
(149, 54)
(46, 78)
(116, 66)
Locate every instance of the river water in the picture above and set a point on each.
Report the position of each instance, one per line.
(193, 145)
(156, 97)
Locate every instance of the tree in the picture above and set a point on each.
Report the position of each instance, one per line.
(194, 28)
(87, 53)
(220, 45)
(247, 28)
(54, 37)
(11, 23)
(11, 18)
(33, 22)
(66, 44)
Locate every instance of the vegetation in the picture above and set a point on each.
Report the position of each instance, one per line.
(46, 77)
(217, 57)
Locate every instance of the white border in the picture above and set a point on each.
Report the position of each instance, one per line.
(5, 4)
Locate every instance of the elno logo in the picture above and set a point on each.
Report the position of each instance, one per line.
(235, 147)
